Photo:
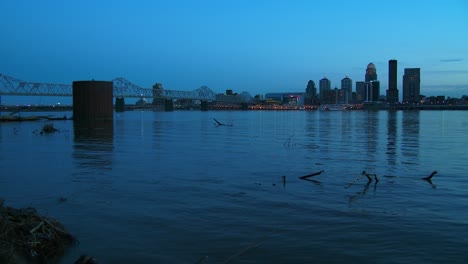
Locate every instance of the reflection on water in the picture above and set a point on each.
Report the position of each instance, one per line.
(392, 138)
(93, 144)
(410, 137)
(372, 125)
(311, 132)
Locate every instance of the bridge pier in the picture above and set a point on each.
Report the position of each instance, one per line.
(204, 105)
(168, 105)
(119, 104)
(92, 100)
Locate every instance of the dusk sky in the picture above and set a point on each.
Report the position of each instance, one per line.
(254, 46)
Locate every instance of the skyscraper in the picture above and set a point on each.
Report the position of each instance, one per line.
(372, 91)
(411, 85)
(324, 85)
(311, 89)
(371, 72)
(347, 88)
(311, 93)
(361, 91)
(392, 91)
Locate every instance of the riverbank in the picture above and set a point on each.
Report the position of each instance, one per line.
(5, 110)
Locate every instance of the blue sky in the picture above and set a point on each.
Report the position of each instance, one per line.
(256, 46)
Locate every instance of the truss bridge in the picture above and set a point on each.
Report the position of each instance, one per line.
(122, 88)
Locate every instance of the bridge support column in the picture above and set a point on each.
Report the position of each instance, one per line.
(204, 105)
(168, 105)
(244, 106)
(119, 104)
(92, 100)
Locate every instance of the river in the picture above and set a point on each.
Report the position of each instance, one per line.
(175, 187)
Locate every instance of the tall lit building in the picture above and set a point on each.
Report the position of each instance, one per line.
(347, 88)
(411, 85)
(371, 72)
(392, 91)
(324, 85)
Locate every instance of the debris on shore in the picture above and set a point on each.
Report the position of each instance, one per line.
(25, 234)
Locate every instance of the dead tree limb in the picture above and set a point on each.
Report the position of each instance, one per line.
(311, 175)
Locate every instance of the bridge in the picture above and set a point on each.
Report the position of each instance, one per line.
(122, 88)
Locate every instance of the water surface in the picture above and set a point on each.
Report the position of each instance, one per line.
(157, 187)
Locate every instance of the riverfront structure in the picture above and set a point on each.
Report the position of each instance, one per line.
(392, 91)
(411, 85)
(287, 98)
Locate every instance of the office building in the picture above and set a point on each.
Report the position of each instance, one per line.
(330, 96)
(371, 72)
(392, 91)
(324, 85)
(360, 91)
(412, 85)
(372, 91)
(311, 93)
(347, 89)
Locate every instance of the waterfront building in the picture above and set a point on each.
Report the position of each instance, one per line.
(392, 91)
(371, 72)
(411, 85)
(292, 99)
(347, 89)
(372, 91)
(360, 91)
(330, 96)
(310, 94)
(324, 85)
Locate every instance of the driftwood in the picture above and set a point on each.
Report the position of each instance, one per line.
(429, 178)
(26, 234)
(368, 176)
(311, 175)
(217, 123)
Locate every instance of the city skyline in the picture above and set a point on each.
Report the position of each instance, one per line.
(254, 46)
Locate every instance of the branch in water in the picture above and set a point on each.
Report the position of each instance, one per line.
(217, 122)
(368, 176)
(428, 178)
(311, 175)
